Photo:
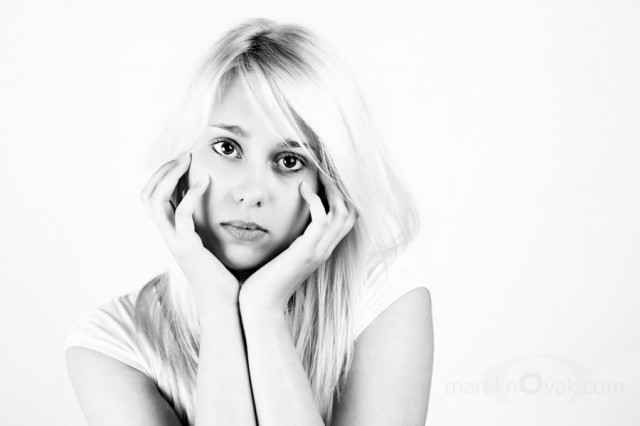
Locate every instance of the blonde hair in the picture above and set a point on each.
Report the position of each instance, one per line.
(290, 71)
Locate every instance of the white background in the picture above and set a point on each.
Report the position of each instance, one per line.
(516, 126)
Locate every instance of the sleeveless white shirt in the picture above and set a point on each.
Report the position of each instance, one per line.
(110, 328)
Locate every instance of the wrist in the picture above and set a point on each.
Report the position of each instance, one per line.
(251, 301)
(255, 312)
(219, 314)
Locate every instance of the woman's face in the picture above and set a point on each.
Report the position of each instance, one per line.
(253, 179)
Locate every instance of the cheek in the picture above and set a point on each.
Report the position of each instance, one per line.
(297, 213)
(202, 165)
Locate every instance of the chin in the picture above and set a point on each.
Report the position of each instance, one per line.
(242, 258)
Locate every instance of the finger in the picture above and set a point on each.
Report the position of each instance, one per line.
(186, 208)
(346, 228)
(318, 214)
(167, 184)
(159, 175)
(337, 229)
(319, 218)
(336, 201)
(349, 223)
(338, 212)
(157, 202)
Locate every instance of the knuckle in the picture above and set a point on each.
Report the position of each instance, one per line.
(184, 209)
(180, 210)
(155, 198)
(310, 260)
(144, 197)
(323, 257)
(182, 216)
(323, 222)
(317, 253)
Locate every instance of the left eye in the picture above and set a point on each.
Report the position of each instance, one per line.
(290, 163)
(225, 148)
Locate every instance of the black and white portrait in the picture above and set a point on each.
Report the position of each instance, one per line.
(299, 213)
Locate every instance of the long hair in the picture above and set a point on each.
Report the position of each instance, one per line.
(287, 69)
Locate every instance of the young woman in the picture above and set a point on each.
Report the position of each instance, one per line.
(286, 301)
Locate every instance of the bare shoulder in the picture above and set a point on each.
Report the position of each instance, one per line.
(111, 392)
(390, 379)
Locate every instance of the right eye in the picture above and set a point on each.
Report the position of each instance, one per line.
(225, 148)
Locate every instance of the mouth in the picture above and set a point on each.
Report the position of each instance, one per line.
(244, 231)
(242, 225)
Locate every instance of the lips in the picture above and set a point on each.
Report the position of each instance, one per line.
(244, 225)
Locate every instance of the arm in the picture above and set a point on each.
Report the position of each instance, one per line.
(388, 384)
(281, 389)
(112, 393)
(390, 378)
(223, 388)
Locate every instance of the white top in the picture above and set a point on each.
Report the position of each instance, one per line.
(110, 330)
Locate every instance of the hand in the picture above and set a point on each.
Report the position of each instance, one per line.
(270, 287)
(213, 285)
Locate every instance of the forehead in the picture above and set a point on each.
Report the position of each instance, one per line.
(238, 108)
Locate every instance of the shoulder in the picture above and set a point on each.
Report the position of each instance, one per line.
(390, 378)
(389, 283)
(109, 369)
(400, 298)
(114, 315)
(109, 329)
(117, 312)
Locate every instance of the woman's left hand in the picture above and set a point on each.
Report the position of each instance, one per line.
(270, 287)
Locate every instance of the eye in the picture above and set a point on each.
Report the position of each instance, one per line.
(225, 147)
(291, 162)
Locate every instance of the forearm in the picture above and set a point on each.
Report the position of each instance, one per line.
(281, 390)
(223, 386)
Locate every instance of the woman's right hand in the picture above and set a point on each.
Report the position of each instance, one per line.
(213, 285)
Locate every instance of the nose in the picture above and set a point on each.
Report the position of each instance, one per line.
(250, 189)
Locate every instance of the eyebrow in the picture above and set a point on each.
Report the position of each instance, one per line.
(233, 129)
(243, 133)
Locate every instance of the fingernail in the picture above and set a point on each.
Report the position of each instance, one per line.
(202, 181)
